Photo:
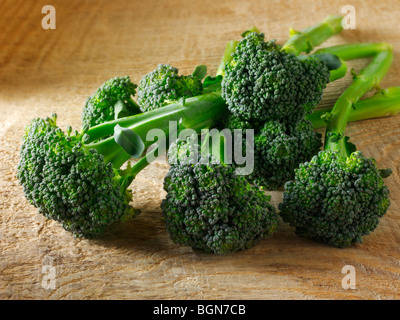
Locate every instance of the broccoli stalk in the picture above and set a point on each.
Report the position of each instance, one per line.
(386, 102)
(195, 113)
(339, 196)
(355, 50)
(368, 79)
(307, 39)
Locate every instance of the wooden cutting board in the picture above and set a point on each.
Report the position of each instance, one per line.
(54, 70)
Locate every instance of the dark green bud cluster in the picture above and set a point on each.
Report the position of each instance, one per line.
(100, 107)
(262, 82)
(279, 148)
(335, 199)
(68, 183)
(164, 85)
(209, 207)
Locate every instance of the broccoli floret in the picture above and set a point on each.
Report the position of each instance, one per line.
(78, 180)
(164, 85)
(279, 148)
(262, 82)
(112, 100)
(209, 207)
(336, 199)
(339, 196)
(69, 183)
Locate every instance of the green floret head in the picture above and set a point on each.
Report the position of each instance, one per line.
(68, 183)
(335, 199)
(101, 106)
(279, 148)
(262, 82)
(164, 85)
(209, 207)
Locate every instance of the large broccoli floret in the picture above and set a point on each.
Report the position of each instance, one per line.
(68, 182)
(112, 100)
(164, 85)
(339, 196)
(209, 207)
(263, 82)
(336, 199)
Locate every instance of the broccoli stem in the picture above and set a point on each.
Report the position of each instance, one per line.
(307, 39)
(368, 78)
(227, 57)
(384, 103)
(351, 52)
(339, 72)
(129, 174)
(356, 51)
(194, 113)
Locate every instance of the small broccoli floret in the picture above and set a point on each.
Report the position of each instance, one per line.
(102, 105)
(335, 199)
(209, 207)
(339, 196)
(69, 183)
(263, 82)
(164, 85)
(279, 148)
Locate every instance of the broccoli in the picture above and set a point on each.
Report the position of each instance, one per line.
(339, 196)
(384, 103)
(209, 207)
(306, 141)
(282, 141)
(70, 183)
(112, 100)
(262, 82)
(255, 73)
(265, 81)
(279, 148)
(77, 178)
(163, 85)
(281, 145)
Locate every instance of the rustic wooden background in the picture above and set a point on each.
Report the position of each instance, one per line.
(46, 71)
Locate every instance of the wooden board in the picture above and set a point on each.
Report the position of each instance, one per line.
(46, 71)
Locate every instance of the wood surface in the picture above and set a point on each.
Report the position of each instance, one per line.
(46, 71)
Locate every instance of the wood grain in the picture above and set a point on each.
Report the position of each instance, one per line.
(46, 71)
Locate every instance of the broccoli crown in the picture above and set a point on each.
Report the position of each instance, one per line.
(209, 207)
(262, 82)
(68, 183)
(335, 199)
(163, 85)
(279, 148)
(100, 107)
